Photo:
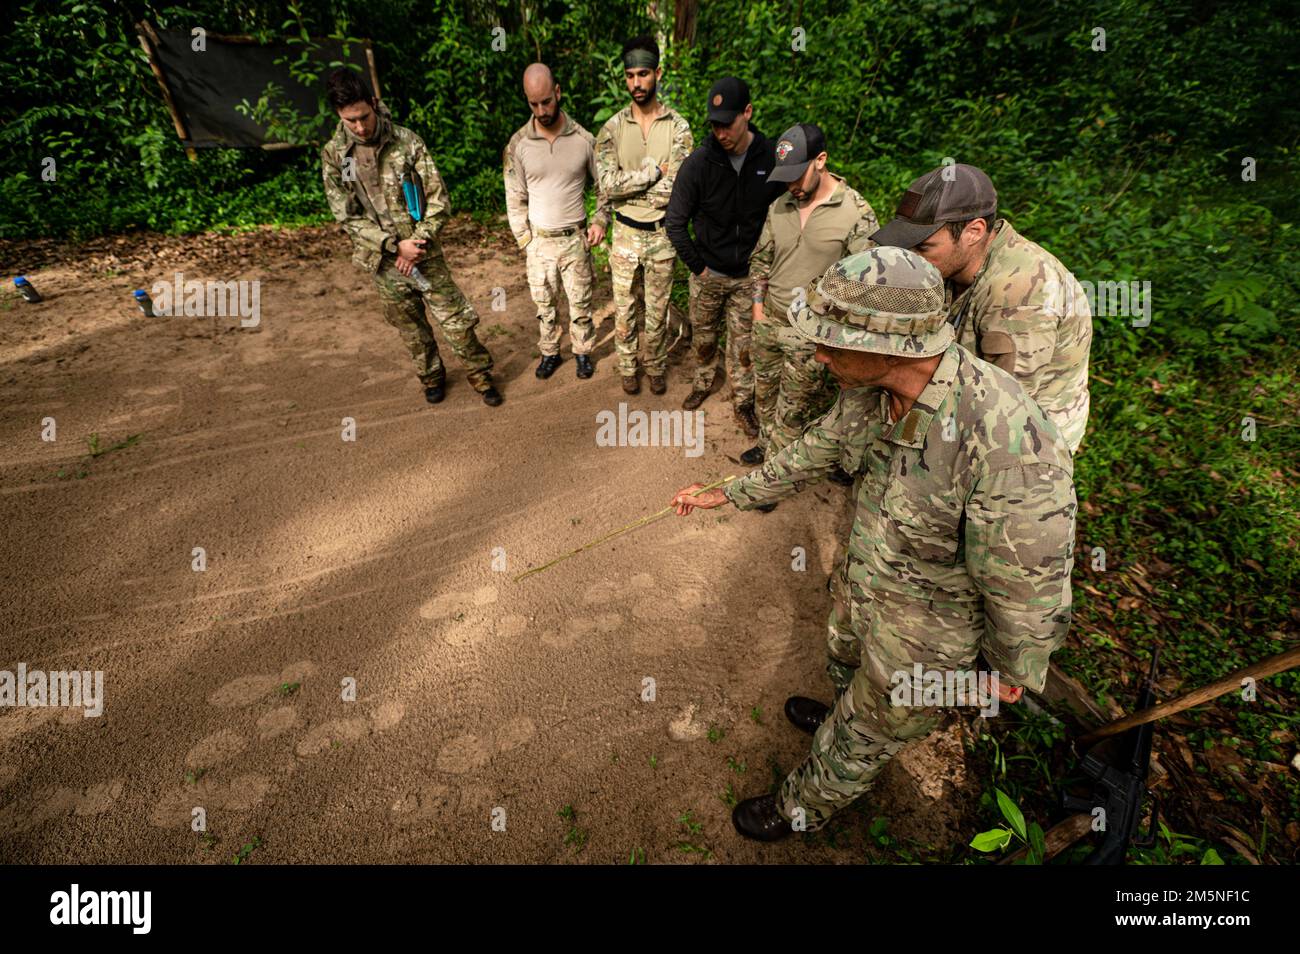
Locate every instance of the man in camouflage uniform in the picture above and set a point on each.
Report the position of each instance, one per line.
(638, 153)
(365, 165)
(963, 539)
(1015, 304)
(546, 165)
(816, 224)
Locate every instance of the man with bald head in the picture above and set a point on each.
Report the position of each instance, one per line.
(548, 163)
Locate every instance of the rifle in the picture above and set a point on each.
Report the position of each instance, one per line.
(1119, 788)
(1067, 832)
(413, 193)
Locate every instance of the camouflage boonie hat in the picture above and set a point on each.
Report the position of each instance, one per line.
(887, 300)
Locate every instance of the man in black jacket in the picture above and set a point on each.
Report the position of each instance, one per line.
(722, 190)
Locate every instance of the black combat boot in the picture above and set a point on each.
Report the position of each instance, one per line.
(433, 393)
(548, 365)
(585, 370)
(806, 714)
(753, 457)
(758, 818)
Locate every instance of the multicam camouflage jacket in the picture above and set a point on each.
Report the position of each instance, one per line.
(964, 529)
(627, 163)
(1028, 315)
(375, 230)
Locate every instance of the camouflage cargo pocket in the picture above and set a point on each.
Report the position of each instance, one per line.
(915, 525)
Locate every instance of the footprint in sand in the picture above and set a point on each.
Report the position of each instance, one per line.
(59, 802)
(430, 801)
(600, 594)
(246, 690)
(773, 615)
(511, 626)
(467, 753)
(579, 628)
(336, 732)
(175, 808)
(449, 604)
(691, 597)
(246, 790)
(242, 388)
(276, 721)
(689, 635)
(220, 746)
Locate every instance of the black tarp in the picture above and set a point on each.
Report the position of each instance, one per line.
(206, 86)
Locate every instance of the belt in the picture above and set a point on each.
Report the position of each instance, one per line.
(557, 233)
(643, 226)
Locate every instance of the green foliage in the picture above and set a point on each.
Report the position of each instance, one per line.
(996, 839)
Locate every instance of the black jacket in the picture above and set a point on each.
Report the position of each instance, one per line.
(726, 209)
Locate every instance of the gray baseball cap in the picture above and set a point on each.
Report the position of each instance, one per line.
(798, 146)
(951, 193)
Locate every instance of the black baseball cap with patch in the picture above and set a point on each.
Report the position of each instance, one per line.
(728, 97)
(952, 193)
(798, 146)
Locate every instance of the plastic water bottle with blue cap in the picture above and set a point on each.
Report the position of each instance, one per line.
(145, 302)
(413, 193)
(27, 289)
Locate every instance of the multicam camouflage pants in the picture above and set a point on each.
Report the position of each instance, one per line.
(404, 309)
(556, 261)
(790, 388)
(641, 268)
(869, 640)
(716, 299)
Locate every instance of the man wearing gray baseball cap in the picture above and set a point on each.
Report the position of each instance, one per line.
(962, 541)
(1012, 302)
(819, 221)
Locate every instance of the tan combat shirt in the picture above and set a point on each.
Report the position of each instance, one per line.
(789, 257)
(628, 162)
(546, 181)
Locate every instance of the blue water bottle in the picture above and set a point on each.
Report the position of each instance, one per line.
(27, 289)
(145, 302)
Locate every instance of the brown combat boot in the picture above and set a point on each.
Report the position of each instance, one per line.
(746, 419)
(695, 399)
(658, 384)
(631, 385)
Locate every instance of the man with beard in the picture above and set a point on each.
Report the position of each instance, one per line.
(368, 166)
(638, 153)
(819, 222)
(548, 163)
(723, 191)
(1014, 304)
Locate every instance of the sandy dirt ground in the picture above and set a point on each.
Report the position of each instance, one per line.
(373, 560)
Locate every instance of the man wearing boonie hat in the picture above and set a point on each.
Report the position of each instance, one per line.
(819, 221)
(1014, 303)
(962, 542)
